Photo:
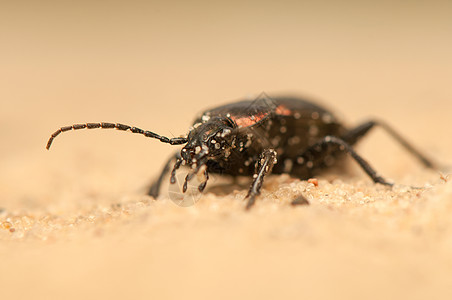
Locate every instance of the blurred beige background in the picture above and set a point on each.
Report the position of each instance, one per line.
(82, 226)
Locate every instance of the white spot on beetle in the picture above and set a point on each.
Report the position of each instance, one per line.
(288, 164)
(275, 141)
(270, 122)
(313, 130)
(300, 160)
(294, 140)
(327, 118)
(283, 129)
(329, 160)
(315, 115)
(225, 132)
(248, 143)
(309, 164)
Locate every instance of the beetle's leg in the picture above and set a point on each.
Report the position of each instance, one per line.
(200, 168)
(173, 171)
(315, 154)
(354, 134)
(154, 190)
(202, 186)
(264, 166)
(187, 179)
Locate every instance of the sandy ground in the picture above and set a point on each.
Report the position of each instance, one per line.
(74, 222)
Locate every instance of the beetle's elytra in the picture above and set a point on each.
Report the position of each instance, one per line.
(255, 137)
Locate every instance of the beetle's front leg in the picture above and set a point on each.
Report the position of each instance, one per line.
(154, 190)
(263, 167)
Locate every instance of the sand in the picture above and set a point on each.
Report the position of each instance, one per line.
(75, 222)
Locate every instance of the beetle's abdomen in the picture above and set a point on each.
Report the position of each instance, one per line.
(299, 124)
(288, 125)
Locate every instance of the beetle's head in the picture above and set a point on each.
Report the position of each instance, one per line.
(208, 140)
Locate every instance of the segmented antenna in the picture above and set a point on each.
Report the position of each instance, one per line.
(118, 126)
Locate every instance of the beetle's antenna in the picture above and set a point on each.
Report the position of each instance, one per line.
(119, 126)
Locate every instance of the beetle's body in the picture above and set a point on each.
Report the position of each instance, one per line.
(287, 125)
(253, 138)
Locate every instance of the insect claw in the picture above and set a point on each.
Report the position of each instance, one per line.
(381, 180)
(300, 200)
(250, 202)
(185, 186)
(202, 186)
(173, 172)
(187, 179)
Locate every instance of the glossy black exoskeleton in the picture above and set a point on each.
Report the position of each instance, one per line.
(253, 138)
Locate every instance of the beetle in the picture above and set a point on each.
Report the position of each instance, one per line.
(262, 136)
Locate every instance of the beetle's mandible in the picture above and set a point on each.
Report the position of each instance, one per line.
(257, 137)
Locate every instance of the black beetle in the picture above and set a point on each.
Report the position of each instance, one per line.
(253, 138)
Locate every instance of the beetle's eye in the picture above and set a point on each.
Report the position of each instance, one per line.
(215, 144)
